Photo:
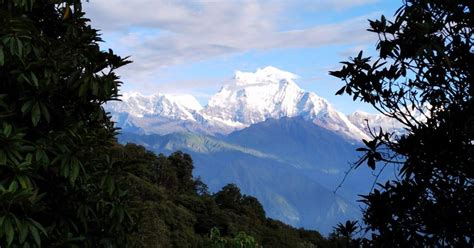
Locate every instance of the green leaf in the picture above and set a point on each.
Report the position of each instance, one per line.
(24, 181)
(23, 230)
(39, 226)
(45, 112)
(35, 79)
(13, 186)
(9, 231)
(35, 114)
(2, 57)
(19, 48)
(35, 234)
(26, 106)
(22, 78)
(7, 130)
(41, 156)
(29, 158)
(74, 169)
(65, 168)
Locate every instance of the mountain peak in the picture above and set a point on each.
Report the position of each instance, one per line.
(266, 75)
(131, 94)
(252, 97)
(185, 100)
(256, 96)
(269, 71)
(178, 106)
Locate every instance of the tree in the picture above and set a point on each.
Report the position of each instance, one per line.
(229, 197)
(183, 166)
(346, 232)
(241, 240)
(57, 185)
(422, 78)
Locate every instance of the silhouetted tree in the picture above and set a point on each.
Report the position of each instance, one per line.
(252, 207)
(229, 197)
(347, 231)
(183, 164)
(422, 78)
(57, 180)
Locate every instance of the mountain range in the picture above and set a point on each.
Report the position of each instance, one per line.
(288, 147)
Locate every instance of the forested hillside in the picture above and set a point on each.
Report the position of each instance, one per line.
(172, 209)
(290, 165)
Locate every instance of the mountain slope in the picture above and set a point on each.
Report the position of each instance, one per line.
(272, 93)
(365, 121)
(319, 154)
(181, 107)
(286, 193)
(291, 165)
(299, 141)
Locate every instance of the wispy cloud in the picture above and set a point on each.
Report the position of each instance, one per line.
(328, 5)
(159, 33)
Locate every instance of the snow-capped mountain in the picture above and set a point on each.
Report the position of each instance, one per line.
(248, 98)
(159, 114)
(180, 107)
(270, 93)
(288, 147)
(364, 121)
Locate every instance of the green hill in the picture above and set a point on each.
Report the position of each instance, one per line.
(173, 209)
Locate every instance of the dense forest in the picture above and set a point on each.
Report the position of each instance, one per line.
(66, 182)
(173, 209)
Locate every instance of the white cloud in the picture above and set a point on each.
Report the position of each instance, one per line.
(159, 33)
(335, 4)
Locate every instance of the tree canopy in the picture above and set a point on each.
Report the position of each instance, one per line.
(57, 185)
(177, 213)
(423, 77)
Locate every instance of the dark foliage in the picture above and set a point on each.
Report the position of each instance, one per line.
(423, 77)
(176, 213)
(57, 185)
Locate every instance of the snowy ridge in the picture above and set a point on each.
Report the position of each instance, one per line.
(375, 122)
(248, 99)
(266, 75)
(182, 107)
(271, 93)
(364, 121)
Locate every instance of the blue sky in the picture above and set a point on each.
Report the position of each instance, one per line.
(195, 46)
